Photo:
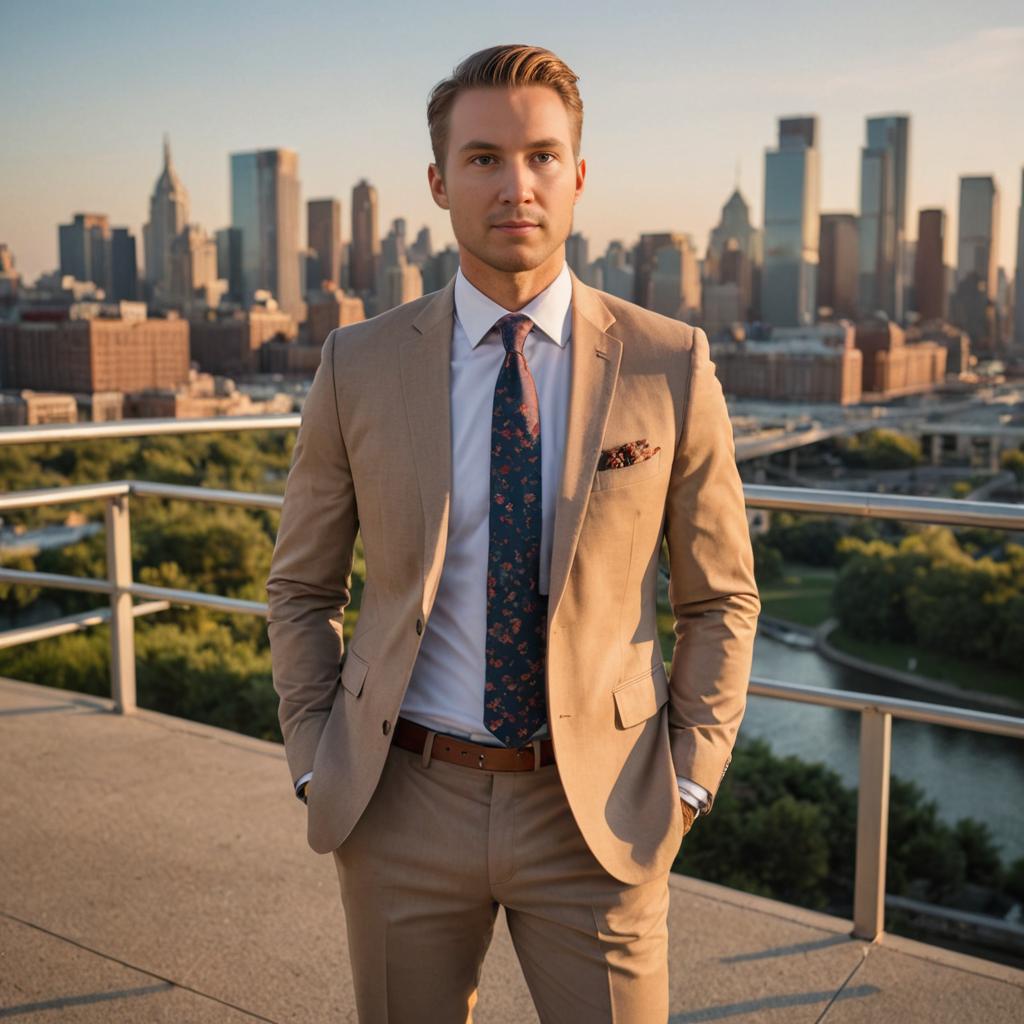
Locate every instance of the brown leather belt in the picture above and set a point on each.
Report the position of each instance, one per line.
(411, 736)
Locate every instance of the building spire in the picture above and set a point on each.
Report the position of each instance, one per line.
(167, 150)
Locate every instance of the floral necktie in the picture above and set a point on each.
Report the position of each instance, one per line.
(515, 704)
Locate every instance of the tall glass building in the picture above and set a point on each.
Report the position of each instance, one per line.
(884, 163)
(792, 205)
(265, 209)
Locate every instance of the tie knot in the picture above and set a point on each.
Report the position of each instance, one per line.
(514, 328)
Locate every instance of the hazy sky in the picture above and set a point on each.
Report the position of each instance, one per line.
(676, 94)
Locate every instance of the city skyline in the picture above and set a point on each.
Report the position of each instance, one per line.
(108, 159)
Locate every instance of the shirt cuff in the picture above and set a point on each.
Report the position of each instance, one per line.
(301, 782)
(693, 793)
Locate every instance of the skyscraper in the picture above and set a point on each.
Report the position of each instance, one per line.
(168, 215)
(977, 249)
(85, 249)
(397, 279)
(734, 254)
(1018, 281)
(577, 254)
(674, 282)
(229, 261)
(265, 207)
(973, 305)
(365, 238)
(193, 270)
(792, 202)
(837, 270)
(616, 272)
(734, 223)
(883, 209)
(123, 267)
(323, 229)
(929, 265)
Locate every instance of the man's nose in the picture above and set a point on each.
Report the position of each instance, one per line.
(516, 185)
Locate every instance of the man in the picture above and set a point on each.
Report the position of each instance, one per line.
(501, 729)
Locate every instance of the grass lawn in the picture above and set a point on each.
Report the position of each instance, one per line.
(803, 595)
(969, 675)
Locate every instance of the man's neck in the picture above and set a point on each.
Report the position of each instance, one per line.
(511, 291)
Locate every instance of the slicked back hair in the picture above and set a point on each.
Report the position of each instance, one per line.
(508, 67)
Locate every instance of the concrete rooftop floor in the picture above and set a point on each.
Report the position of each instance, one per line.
(153, 869)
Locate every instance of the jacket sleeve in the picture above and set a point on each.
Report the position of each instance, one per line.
(712, 590)
(309, 585)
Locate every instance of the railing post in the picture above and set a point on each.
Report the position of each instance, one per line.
(872, 824)
(122, 620)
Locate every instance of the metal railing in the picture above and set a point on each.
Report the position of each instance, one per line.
(876, 713)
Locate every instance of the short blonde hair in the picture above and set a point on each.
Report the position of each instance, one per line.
(507, 67)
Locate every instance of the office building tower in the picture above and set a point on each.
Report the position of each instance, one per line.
(972, 305)
(422, 249)
(229, 261)
(398, 280)
(791, 225)
(323, 230)
(124, 269)
(365, 247)
(1018, 280)
(733, 224)
(168, 215)
(193, 271)
(617, 271)
(673, 277)
(85, 249)
(929, 265)
(882, 227)
(265, 207)
(978, 232)
(577, 254)
(440, 268)
(837, 267)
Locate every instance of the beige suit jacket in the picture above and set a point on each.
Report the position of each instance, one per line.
(373, 454)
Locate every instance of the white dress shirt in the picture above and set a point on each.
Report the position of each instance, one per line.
(446, 691)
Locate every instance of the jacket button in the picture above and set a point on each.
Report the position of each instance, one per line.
(385, 727)
(419, 627)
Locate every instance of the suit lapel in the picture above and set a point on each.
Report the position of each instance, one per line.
(425, 367)
(595, 358)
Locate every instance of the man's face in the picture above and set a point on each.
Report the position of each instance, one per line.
(510, 181)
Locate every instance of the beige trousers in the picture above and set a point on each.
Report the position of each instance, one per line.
(439, 847)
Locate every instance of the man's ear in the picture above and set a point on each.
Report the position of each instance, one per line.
(437, 189)
(581, 174)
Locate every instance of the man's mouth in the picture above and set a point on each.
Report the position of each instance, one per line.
(517, 227)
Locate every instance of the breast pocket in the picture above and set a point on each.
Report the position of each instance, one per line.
(623, 476)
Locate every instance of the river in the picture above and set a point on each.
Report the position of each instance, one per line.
(968, 774)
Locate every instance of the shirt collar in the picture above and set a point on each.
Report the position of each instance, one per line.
(551, 310)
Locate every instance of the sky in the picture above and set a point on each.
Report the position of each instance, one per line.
(680, 101)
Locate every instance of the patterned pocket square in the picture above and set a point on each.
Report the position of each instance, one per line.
(626, 454)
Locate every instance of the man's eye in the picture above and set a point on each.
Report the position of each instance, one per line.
(551, 156)
(483, 156)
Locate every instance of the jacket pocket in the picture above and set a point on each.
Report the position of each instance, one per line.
(353, 673)
(639, 698)
(620, 476)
